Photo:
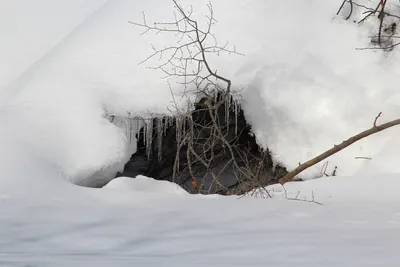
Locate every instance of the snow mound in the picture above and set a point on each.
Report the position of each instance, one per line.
(306, 88)
(145, 184)
(83, 227)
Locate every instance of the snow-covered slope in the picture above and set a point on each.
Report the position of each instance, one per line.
(118, 227)
(306, 88)
(26, 39)
(65, 63)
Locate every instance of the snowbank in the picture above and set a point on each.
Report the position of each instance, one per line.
(306, 88)
(104, 227)
(27, 39)
(145, 184)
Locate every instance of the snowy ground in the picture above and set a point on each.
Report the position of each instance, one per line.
(64, 64)
(305, 86)
(121, 226)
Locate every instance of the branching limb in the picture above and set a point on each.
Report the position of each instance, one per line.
(209, 149)
(188, 60)
(375, 129)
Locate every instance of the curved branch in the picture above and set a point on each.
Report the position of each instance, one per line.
(375, 129)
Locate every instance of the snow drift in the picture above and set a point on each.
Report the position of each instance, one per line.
(65, 64)
(305, 87)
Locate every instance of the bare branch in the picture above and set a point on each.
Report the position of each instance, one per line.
(376, 118)
(337, 148)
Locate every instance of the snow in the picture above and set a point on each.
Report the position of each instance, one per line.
(67, 65)
(110, 226)
(26, 39)
(302, 93)
(145, 184)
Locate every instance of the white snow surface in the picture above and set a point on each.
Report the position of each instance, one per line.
(304, 86)
(145, 184)
(76, 226)
(66, 64)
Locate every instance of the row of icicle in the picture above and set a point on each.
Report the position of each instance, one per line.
(132, 126)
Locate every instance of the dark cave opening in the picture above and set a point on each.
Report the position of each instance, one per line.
(210, 150)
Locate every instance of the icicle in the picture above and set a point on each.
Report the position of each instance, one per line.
(178, 142)
(149, 137)
(184, 128)
(137, 130)
(227, 110)
(143, 126)
(178, 131)
(165, 125)
(145, 134)
(130, 131)
(160, 127)
(181, 130)
(235, 107)
(190, 120)
(124, 123)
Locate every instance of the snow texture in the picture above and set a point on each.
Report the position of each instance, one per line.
(66, 66)
(153, 227)
(305, 87)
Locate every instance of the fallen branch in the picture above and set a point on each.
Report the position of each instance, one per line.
(303, 200)
(363, 158)
(375, 129)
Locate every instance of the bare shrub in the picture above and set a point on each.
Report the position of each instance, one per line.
(386, 37)
(210, 134)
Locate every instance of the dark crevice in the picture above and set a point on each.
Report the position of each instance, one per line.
(249, 156)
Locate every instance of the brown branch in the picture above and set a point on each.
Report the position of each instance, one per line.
(192, 37)
(371, 12)
(382, 40)
(340, 8)
(351, 9)
(381, 17)
(363, 158)
(376, 118)
(205, 140)
(303, 200)
(375, 129)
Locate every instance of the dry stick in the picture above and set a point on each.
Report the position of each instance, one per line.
(381, 16)
(379, 48)
(351, 9)
(363, 158)
(200, 42)
(340, 8)
(337, 148)
(370, 13)
(376, 118)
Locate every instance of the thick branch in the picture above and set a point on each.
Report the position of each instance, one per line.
(375, 129)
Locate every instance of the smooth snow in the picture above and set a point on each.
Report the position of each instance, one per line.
(145, 184)
(119, 227)
(66, 66)
(305, 87)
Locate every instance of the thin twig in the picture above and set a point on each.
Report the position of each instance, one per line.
(376, 118)
(363, 158)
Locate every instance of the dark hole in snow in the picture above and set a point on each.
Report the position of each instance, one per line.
(203, 162)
